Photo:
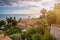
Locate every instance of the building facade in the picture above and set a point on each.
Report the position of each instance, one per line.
(57, 12)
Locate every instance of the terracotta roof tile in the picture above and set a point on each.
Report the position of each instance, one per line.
(2, 37)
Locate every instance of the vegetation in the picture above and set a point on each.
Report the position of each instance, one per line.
(51, 17)
(12, 30)
(43, 12)
(36, 36)
(15, 36)
(11, 21)
(32, 33)
(2, 22)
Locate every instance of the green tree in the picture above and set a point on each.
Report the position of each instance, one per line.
(28, 36)
(23, 36)
(13, 30)
(29, 33)
(9, 29)
(8, 26)
(40, 30)
(36, 36)
(8, 19)
(43, 12)
(51, 17)
(46, 35)
(30, 30)
(15, 37)
(14, 22)
(2, 22)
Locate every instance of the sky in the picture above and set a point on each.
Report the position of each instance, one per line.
(25, 6)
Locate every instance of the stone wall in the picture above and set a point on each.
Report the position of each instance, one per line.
(55, 31)
(57, 12)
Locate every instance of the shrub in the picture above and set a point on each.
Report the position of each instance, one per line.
(15, 37)
(2, 22)
(31, 30)
(36, 36)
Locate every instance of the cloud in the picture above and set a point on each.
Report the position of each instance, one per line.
(57, 0)
(14, 2)
(26, 6)
(29, 11)
(28, 3)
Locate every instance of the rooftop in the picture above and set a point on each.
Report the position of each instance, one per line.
(2, 37)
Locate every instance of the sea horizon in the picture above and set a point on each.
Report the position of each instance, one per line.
(18, 16)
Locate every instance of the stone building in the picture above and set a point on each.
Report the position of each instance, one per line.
(55, 31)
(57, 12)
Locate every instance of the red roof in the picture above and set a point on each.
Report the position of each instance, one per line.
(2, 37)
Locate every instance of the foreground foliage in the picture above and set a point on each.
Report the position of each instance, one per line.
(33, 33)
